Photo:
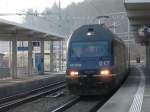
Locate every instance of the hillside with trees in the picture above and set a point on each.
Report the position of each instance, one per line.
(64, 21)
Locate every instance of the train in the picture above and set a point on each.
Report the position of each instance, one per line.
(97, 61)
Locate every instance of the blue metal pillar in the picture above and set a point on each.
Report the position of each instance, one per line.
(42, 57)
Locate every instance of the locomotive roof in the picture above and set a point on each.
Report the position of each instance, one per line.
(100, 32)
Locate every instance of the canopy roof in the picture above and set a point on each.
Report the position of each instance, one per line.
(10, 30)
(138, 13)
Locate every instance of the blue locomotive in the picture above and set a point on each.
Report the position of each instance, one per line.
(97, 60)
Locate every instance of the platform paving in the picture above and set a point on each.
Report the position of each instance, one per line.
(133, 96)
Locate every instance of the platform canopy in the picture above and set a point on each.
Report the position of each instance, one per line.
(138, 13)
(10, 30)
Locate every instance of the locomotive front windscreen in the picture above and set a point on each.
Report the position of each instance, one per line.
(89, 49)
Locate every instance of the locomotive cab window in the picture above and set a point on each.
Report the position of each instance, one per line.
(89, 49)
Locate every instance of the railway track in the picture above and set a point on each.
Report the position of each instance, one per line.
(85, 104)
(81, 104)
(67, 105)
(16, 100)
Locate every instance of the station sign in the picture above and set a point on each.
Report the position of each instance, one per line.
(144, 31)
(147, 30)
(22, 48)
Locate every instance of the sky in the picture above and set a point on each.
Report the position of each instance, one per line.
(13, 6)
(18, 5)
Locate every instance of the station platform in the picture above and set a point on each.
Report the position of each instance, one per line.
(10, 87)
(133, 95)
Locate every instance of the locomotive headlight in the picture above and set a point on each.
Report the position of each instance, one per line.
(105, 72)
(73, 73)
